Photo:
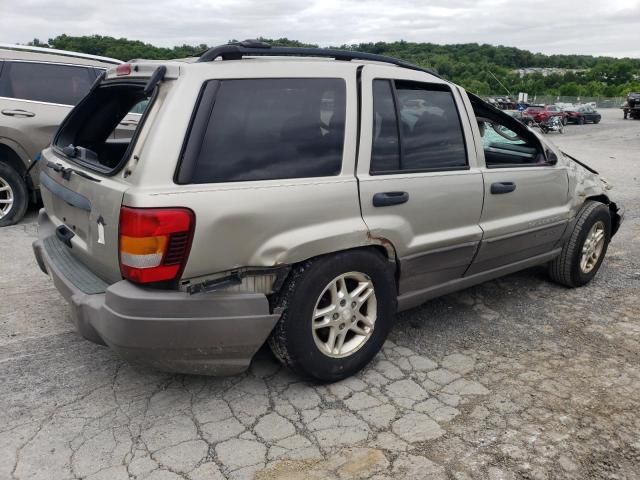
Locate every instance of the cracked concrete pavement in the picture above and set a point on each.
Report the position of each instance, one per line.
(516, 378)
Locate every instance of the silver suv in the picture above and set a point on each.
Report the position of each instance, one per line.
(298, 197)
(38, 88)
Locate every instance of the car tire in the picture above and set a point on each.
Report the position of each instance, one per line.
(584, 251)
(581, 121)
(312, 312)
(596, 120)
(564, 120)
(13, 192)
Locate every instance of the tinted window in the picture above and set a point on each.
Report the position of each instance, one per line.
(431, 132)
(426, 120)
(44, 82)
(269, 128)
(385, 154)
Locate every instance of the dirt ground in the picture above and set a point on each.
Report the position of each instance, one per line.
(516, 378)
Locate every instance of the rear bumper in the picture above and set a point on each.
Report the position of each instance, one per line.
(213, 333)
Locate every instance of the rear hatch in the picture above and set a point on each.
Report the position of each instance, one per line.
(84, 174)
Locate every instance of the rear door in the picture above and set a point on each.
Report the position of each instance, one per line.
(35, 98)
(420, 187)
(526, 198)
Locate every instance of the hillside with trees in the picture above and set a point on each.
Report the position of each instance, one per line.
(470, 65)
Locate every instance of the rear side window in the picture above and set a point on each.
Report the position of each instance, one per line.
(262, 129)
(416, 127)
(45, 82)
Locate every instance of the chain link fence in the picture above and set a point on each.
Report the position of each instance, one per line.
(600, 102)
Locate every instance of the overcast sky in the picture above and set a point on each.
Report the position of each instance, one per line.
(597, 27)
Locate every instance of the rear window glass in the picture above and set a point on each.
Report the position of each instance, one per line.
(94, 133)
(261, 129)
(44, 82)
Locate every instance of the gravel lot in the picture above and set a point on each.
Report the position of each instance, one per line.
(516, 378)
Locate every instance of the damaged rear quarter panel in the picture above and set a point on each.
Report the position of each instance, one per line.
(266, 223)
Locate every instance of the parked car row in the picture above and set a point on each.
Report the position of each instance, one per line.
(535, 115)
(542, 113)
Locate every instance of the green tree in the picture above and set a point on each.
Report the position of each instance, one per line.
(467, 64)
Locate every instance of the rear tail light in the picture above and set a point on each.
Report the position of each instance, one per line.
(154, 243)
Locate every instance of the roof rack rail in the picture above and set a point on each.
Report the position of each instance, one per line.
(53, 51)
(237, 50)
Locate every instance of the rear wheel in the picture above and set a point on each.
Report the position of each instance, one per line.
(581, 121)
(14, 197)
(596, 120)
(564, 120)
(338, 311)
(584, 251)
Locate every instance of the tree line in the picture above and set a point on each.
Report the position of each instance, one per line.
(476, 67)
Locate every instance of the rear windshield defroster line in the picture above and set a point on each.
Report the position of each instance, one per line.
(90, 126)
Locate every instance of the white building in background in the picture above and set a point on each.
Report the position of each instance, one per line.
(546, 71)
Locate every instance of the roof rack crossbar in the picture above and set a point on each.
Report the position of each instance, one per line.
(235, 51)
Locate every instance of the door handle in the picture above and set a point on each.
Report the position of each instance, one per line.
(502, 187)
(129, 122)
(385, 199)
(18, 113)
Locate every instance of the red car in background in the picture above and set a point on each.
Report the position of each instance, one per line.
(542, 113)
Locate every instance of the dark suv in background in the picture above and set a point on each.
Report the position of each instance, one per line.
(38, 87)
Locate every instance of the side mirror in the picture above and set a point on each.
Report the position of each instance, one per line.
(552, 158)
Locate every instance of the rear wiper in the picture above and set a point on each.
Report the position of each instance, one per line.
(65, 172)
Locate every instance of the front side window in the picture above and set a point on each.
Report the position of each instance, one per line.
(416, 127)
(263, 129)
(506, 142)
(45, 82)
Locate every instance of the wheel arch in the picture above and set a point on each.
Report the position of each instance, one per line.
(11, 156)
(614, 210)
(382, 247)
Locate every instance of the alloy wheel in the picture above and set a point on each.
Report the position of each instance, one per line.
(6, 198)
(592, 247)
(345, 314)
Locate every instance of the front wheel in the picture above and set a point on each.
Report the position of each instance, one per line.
(584, 251)
(337, 313)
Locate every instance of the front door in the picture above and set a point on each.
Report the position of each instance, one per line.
(420, 187)
(526, 195)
